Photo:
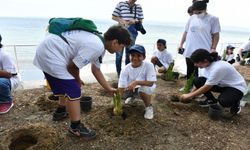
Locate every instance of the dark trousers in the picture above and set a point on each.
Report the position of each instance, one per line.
(229, 96)
(191, 68)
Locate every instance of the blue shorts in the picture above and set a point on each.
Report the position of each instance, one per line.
(64, 87)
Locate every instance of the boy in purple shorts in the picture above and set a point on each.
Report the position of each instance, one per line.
(61, 63)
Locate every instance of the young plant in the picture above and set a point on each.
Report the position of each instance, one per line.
(169, 75)
(189, 84)
(117, 102)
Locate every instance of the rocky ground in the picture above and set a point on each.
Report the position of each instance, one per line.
(176, 126)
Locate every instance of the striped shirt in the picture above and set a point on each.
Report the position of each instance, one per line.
(124, 11)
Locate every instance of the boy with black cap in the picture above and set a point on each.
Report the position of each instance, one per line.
(139, 73)
(162, 58)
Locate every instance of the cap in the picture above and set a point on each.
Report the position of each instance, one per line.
(137, 48)
(162, 41)
(230, 47)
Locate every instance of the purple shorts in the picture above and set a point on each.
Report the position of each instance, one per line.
(64, 87)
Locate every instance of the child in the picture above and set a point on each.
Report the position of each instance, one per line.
(229, 54)
(220, 77)
(9, 80)
(162, 58)
(61, 63)
(139, 73)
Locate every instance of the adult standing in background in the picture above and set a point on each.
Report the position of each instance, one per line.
(9, 80)
(128, 14)
(201, 31)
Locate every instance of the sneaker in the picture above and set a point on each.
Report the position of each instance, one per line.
(182, 89)
(235, 110)
(149, 112)
(60, 116)
(52, 97)
(247, 63)
(206, 103)
(83, 132)
(130, 100)
(5, 107)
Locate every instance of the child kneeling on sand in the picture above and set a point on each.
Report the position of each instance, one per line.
(139, 73)
(162, 59)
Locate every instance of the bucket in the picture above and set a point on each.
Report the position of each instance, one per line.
(215, 111)
(86, 103)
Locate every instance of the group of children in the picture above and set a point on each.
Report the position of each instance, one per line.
(61, 65)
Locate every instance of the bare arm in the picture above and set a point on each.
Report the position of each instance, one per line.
(75, 72)
(132, 85)
(183, 39)
(196, 92)
(215, 40)
(5, 74)
(100, 78)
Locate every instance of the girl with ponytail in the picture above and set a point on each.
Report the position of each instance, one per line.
(221, 77)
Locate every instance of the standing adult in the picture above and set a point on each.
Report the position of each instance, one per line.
(130, 15)
(61, 63)
(9, 80)
(201, 31)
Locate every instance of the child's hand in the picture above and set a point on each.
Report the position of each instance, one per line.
(131, 86)
(185, 97)
(112, 90)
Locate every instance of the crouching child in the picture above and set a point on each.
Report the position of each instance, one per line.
(141, 74)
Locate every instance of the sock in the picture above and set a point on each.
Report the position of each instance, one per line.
(74, 124)
(61, 109)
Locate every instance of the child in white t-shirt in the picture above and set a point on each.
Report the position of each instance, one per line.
(162, 58)
(221, 77)
(229, 55)
(9, 80)
(139, 73)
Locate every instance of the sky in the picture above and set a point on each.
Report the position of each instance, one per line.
(230, 12)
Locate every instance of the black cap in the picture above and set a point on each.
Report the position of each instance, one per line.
(137, 48)
(162, 41)
(230, 47)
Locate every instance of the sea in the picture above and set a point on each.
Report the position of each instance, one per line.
(22, 35)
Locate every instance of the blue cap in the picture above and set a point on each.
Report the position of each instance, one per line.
(137, 48)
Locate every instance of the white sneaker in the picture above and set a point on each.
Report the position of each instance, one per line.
(129, 100)
(243, 103)
(149, 112)
(182, 89)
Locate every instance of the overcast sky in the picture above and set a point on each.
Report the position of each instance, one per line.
(230, 12)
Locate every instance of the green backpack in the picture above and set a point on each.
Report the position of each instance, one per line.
(59, 25)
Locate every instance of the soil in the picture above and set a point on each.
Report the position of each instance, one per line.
(175, 125)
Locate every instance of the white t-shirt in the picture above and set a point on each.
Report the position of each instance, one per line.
(7, 64)
(229, 57)
(223, 74)
(199, 33)
(145, 72)
(246, 47)
(53, 54)
(164, 57)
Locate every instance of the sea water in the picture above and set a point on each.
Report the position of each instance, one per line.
(22, 35)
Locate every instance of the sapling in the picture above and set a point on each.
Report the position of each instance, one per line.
(169, 75)
(189, 84)
(117, 102)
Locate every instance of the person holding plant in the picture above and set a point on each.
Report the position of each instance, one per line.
(139, 73)
(61, 63)
(201, 31)
(221, 77)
